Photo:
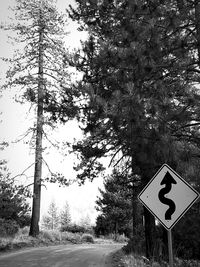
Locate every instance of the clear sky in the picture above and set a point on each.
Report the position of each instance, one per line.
(16, 119)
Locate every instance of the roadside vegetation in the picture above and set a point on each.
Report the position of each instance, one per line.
(46, 237)
(141, 261)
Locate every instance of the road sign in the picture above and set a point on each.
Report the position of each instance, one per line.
(168, 196)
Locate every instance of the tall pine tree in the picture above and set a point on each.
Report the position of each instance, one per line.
(39, 73)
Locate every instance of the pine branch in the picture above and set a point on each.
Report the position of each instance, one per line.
(23, 173)
(30, 130)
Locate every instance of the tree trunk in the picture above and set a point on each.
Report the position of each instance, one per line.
(149, 233)
(197, 22)
(135, 191)
(34, 228)
(134, 211)
(116, 230)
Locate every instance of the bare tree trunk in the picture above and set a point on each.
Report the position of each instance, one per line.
(134, 211)
(149, 220)
(34, 228)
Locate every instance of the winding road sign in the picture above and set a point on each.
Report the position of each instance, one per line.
(168, 196)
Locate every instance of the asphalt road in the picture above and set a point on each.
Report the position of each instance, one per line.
(84, 255)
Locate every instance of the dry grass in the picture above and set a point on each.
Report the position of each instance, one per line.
(48, 237)
(22, 239)
(19, 241)
(138, 261)
(135, 261)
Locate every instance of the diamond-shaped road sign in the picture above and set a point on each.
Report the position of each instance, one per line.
(168, 196)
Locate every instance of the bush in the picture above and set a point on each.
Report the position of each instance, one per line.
(8, 227)
(72, 237)
(24, 221)
(53, 236)
(136, 245)
(57, 235)
(87, 238)
(50, 235)
(121, 238)
(73, 228)
(5, 244)
(46, 235)
(24, 231)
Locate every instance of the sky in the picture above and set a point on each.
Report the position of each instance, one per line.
(16, 119)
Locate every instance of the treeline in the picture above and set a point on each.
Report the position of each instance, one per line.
(138, 101)
(60, 219)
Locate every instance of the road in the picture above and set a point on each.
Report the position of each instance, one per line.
(83, 255)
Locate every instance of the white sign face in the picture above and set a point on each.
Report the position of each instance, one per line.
(168, 196)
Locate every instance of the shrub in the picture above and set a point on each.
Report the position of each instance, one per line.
(72, 237)
(87, 238)
(121, 238)
(50, 236)
(24, 231)
(73, 228)
(8, 227)
(47, 236)
(5, 244)
(57, 235)
(24, 221)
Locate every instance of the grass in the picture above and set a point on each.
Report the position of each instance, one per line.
(46, 237)
(8, 243)
(132, 260)
(140, 261)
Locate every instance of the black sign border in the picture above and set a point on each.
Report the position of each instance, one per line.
(183, 213)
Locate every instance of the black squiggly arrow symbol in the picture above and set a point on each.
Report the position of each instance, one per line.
(168, 180)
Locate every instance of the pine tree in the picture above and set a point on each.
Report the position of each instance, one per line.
(13, 200)
(65, 216)
(115, 204)
(85, 222)
(51, 220)
(38, 71)
(13, 197)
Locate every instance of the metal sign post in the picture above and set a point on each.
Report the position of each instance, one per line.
(170, 249)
